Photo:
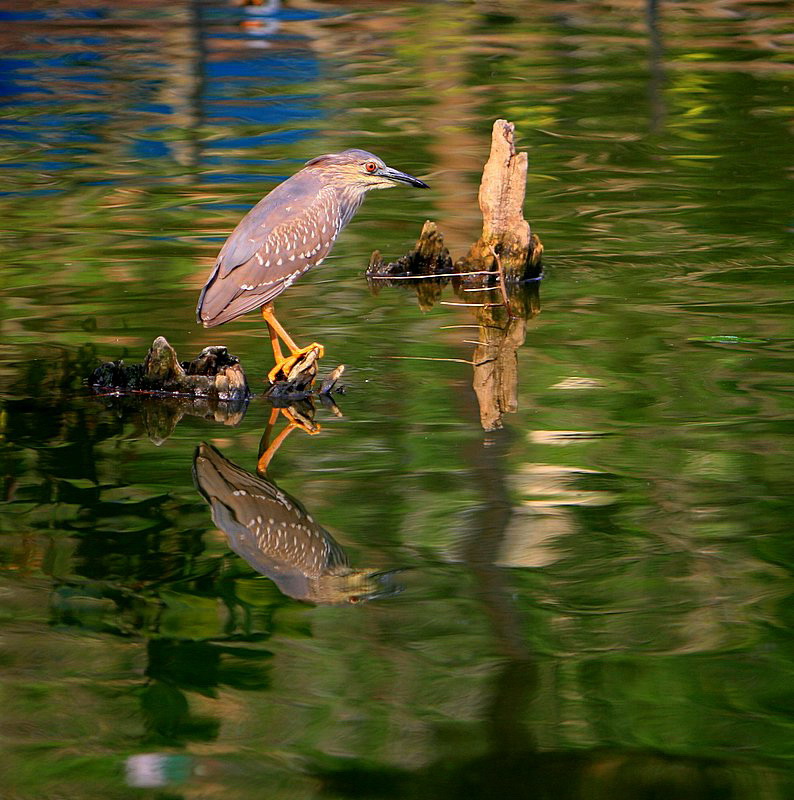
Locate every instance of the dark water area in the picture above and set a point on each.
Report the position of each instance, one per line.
(593, 600)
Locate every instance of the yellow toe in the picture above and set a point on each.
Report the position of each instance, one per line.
(304, 357)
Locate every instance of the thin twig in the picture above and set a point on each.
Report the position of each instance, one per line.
(428, 358)
(487, 327)
(470, 305)
(426, 277)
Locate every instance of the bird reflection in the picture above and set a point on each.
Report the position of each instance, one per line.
(274, 533)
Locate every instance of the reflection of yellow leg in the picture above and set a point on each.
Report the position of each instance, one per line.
(277, 331)
(306, 424)
(267, 449)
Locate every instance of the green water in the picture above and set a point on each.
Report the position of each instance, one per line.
(594, 600)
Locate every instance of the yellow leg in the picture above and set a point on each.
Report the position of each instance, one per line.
(268, 315)
(277, 331)
(274, 342)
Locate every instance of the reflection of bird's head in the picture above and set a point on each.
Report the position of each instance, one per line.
(355, 586)
(358, 171)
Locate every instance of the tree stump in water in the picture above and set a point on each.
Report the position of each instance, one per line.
(214, 374)
(506, 247)
(497, 278)
(507, 242)
(429, 257)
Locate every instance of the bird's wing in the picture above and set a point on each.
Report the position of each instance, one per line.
(224, 300)
(281, 238)
(268, 221)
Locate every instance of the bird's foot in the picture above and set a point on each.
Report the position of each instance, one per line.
(302, 364)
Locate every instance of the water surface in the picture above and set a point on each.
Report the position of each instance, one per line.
(593, 600)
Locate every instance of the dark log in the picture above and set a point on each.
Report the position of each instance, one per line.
(298, 378)
(297, 382)
(214, 374)
(429, 257)
(426, 269)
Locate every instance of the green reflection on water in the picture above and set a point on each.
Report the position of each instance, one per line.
(596, 598)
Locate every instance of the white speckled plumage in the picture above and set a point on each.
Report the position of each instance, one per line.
(275, 535)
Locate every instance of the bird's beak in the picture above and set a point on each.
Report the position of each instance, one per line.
(402, 177)
(378, 585)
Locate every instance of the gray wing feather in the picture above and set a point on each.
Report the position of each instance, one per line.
(254, 228)
(282, 227)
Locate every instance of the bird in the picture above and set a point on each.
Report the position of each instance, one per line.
(289, 231)
(275, 534)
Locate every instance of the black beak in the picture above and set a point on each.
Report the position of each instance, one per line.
(402, 177)
(383, 585)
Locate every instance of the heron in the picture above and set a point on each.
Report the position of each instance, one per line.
(284, 235)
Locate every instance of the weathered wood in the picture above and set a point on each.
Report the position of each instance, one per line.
(296, 384)
(506, 250)
(214, 374)
(505, 232)
(331, 380)
(299, 377)
(503, 188)
(426, 269)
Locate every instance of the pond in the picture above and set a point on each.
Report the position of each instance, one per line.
(587, 596)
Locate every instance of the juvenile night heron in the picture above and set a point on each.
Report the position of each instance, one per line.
(287, 233)
(278, 538)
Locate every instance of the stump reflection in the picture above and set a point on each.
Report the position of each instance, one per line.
(495, 358)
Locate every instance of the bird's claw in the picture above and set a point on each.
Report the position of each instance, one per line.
(301, 364)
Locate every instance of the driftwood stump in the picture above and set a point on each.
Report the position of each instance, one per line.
(429, 257)
(497, 278)
(505, 232)
(507, 248)
(163, 389)
(213, 374)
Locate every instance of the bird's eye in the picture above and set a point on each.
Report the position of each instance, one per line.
(370, 166)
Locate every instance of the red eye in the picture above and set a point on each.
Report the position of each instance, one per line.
(370, 166)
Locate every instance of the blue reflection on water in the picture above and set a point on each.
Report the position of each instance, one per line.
(227, 71)
(60, 96)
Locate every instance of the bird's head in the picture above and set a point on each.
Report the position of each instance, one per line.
(358, 169)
